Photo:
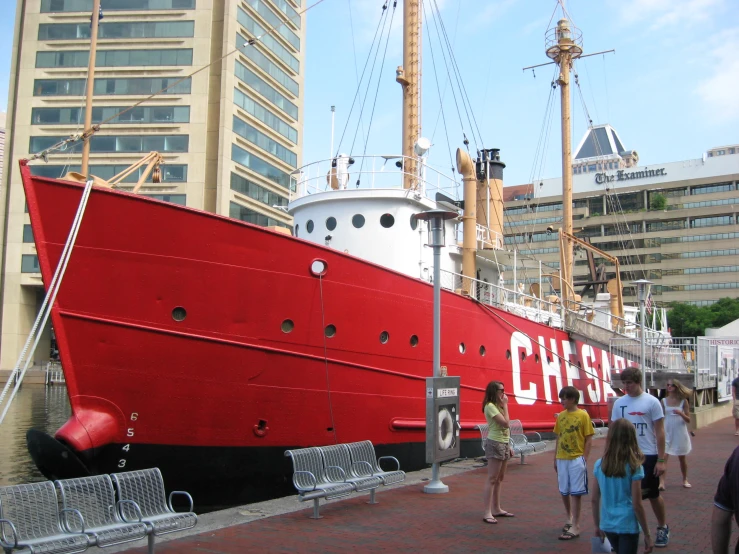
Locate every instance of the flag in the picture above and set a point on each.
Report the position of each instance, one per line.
(100, 16)
(649, 304)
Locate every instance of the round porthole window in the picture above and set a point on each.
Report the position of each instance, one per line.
(330, 331)
(387, 220)
(331, 223)
(309, 226)
(414, 340)
(297, 227)
(358, 221)
(179, 313)
(287, 326)
(482, 350)
(508, 354)
(318, 267)
(384, 337)
(414, 222)
(462, 348)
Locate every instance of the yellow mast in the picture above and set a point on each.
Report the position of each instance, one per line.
(564, 44)
(90, 85)
(409, 77)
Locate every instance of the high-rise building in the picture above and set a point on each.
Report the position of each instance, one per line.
(674, 223)
(230, 134)
(2, 144)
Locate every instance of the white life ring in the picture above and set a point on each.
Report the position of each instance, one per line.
(446, 429)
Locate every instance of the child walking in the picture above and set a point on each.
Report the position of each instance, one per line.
(677, 436)
(574, 432)
(617, 505)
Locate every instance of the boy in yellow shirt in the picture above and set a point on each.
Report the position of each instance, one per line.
(574, 432)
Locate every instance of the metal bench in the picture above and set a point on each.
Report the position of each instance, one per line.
(29, 521)
(602, 430)
(142, 499)
(338, 467)
(365, 463)
(89, 505)
(520, 439)
(311, 481)
(517, 450)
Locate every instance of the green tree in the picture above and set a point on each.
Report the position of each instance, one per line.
(686, 320)
(657, 201)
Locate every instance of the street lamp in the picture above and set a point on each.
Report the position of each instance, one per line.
(643, 287)
(436, 226)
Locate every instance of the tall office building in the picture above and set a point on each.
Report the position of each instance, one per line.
(673, 223)
(230, 134)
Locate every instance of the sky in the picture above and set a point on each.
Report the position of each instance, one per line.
(669, 90)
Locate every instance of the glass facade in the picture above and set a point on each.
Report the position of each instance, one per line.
(237, 211)
(252, 190)
(670, 225)
(131, 29)
(708, 189)
(105, 87)
(55, 6)
(29, 264)
(116, 58)
(266, 90)
(261, 140)
(179, 199)
(27, 233)
(259, 166)
(170, 172)
(712, 221)
(127, 143)
(275, 22)
(265, 116)
(267, 40)
(75, 116)
(267, 65)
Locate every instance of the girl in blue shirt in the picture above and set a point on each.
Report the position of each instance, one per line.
(616, 496)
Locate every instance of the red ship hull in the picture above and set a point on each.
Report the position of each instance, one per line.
(215, 399)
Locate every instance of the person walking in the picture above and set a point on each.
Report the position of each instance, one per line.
(677, 435)
(644, 411)
(497, 448)
(618, 512)
(574, 432)
(726, 505)
(735, 389)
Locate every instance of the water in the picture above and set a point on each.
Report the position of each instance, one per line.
(38, 407)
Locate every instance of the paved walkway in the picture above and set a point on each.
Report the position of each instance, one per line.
(408, 520)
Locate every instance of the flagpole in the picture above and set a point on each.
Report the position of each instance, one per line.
(90, 84)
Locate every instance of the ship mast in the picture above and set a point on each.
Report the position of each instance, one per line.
(90, 86)
(409, 77)
(564, 44)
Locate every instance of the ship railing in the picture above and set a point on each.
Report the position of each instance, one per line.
(524, 305)
(661, 352)
(54, 373)
(372, 172)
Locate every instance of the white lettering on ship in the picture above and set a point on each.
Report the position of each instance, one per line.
(523, 396)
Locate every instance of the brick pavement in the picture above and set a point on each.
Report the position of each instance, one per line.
(408, 520)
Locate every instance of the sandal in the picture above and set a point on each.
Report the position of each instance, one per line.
(504, 514)
(490, 520)
(567, 536)
(566, 527)
(687, 485)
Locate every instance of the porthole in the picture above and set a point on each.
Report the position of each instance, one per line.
(536, 358)
(523, 356)
(507, 354)
(179, 313)
(482, 350)
(462, 348)
(414, 340)
(331, 223)
(358, 221)
(387, 220)
(297, 227)
(549, 360)
(309, 226)
(318, 267)
(287, 326)
(384, 337)
(330, 331)
(414, 222)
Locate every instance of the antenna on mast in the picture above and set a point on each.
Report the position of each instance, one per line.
(333, 118)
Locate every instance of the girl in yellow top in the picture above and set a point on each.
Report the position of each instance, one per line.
(497, 448)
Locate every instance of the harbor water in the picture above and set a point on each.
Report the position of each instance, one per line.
(37, 407)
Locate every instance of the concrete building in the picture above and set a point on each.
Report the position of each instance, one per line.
(673, 223)
(230, 134)
(2, 143)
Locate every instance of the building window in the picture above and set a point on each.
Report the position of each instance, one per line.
(712, 221)
(29, 264)
(266, 65)
(109, 87)
(256, 192)
(265, 116)
(666, 225)
(75, 116)
(237, 211)
(131, 29)
(275, 22)
(179, 199)
(707, 189)
(116, 58)
(267, 40)
(244, 130)
(266, 90)
(170, 172)
(256, 164)
(27, 234)
(54, 6)
(127, 143)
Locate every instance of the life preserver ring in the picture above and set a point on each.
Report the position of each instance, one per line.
(446, 429)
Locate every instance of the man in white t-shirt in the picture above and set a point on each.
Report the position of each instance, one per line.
(645, 412)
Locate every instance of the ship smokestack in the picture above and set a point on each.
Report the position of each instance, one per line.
(489, 171)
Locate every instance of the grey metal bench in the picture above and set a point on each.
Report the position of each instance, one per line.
(30, 522)
(519, 443)
(338, 467)
(365, 463)
(520, 439)
(90, 507)
(142, 499)
(601, 430)
(311, 481)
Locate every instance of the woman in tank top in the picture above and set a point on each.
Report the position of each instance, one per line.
(677, 435)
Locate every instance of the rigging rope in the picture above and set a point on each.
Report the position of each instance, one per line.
(325, 360)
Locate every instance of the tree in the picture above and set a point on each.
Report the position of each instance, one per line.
(657, 201)
(687, 320)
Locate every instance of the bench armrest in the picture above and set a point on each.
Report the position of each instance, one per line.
(65, 521)
(397, 463)
(183, 493)
(313, 477)
(538, 435)
(371, 470)
(340, 469)
(136, 509)
(7, 545)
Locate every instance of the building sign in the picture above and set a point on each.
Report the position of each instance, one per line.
(622, 175)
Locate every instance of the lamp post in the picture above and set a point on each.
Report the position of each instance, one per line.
(436, 219)
(642, 291)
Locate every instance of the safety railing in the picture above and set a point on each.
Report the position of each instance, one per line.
(54, 374)
(662, 353)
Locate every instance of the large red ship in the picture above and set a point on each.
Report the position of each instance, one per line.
(207, 346)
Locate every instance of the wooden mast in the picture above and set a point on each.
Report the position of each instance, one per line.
(564, 43)
(90, 86)
(409, 77)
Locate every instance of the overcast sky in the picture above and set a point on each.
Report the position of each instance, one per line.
(670, 90)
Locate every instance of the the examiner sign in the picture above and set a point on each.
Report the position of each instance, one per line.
(622, 175)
